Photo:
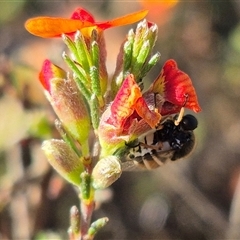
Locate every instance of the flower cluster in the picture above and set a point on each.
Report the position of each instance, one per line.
(98, 116)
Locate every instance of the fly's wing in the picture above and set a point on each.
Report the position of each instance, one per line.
(148, 161)
(129, 166)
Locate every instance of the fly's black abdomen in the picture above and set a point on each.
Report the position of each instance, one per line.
(185, 148)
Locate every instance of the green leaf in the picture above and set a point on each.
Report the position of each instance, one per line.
(86, 188)
(83, 56)
(148, 66)
(94, 111)
(66, 137)
(96, 226)
(141, 58)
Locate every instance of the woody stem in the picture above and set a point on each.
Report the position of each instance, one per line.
(86, 215)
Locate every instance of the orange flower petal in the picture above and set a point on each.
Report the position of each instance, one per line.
(123, 104)
(47, 27)
(125, 20)
(129, 99)
(176, 87)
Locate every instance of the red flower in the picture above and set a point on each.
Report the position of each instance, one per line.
(126, 118)
(176, 88)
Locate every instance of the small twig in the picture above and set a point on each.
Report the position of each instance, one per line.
(86, 215)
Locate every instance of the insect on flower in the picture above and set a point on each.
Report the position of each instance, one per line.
(175, 140)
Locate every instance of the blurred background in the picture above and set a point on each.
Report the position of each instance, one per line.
(197, 198)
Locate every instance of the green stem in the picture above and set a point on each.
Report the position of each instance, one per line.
(87, 204)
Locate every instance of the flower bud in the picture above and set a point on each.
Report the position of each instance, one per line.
(67, 102)
(70, 107)
(106, 172)
(63, 159)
